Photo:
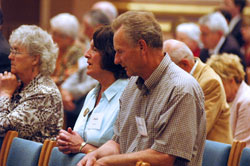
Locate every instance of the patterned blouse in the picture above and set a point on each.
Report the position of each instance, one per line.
(35, 112)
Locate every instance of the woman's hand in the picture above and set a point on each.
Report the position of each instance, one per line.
(69, 141)
(8, 84)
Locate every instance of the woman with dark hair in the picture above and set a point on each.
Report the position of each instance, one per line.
(94, 125)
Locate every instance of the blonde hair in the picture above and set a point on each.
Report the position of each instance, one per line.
(227, 66)
(140, 25)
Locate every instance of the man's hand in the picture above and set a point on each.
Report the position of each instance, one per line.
(8, 84)
(88, 160)
(69, 141)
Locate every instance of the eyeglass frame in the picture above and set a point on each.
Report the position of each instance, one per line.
(15, 52)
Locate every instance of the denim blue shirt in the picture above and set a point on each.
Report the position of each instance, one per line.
(104, 114)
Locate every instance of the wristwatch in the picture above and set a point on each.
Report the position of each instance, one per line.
(82, 145)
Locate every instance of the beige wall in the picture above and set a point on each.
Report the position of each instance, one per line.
(18, 12)
(168, 12)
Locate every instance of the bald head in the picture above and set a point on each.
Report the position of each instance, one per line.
(108, 8)
(179, 53)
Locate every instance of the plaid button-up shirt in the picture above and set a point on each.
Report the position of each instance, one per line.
(172, 104)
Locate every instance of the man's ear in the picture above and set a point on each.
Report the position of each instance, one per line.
(184, 64)
(142, 45)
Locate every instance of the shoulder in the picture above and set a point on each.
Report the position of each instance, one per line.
(46, 86)
(230, 41)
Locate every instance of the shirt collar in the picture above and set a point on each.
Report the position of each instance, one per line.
(154, 78)
(242, 88)
(194, 67)
(233, 22)
(114, 88)
(218, 46)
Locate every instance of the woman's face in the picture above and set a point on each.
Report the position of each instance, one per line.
(21, 61)
(94, 61)
(229, 86)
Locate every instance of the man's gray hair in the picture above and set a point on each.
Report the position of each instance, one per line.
(192, 30)
(177, 50)
(140, 25)
(215, 22)
(108, 8)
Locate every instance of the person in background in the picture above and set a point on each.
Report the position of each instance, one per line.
(225, 13)
(4, 49)
(229, 68)
(215, 38)
(91, 20)
(245, 30)
(94, 125)
(189, 33)
(106, 7)
(30, 101)
(162, 116)
(75, 88)
(235, 8)
(216, 107)
(64, 29)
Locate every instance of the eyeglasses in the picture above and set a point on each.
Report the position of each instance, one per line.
(15, 52)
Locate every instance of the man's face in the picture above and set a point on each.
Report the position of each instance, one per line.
(127, 55)
(229, 5)
(209, 38)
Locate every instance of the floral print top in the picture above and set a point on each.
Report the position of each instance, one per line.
(35, 112)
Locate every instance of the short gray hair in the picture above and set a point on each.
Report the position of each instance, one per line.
(65, 23)
(140, 25)
(108, 8)
(192, 30)
(177, 50)
(215, 22)
(95, 18)
(37, 42)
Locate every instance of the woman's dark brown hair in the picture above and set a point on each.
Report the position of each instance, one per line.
(103, 41)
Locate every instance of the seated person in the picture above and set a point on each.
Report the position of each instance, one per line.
(162, 118)
(216, 107)
(94, 125)
(215, 38)
(30, 101)
(64, 30)
(245, 31)
(230, 69)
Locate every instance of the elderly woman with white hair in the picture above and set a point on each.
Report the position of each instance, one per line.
(30, 102)
(189, 33)
(64, 30)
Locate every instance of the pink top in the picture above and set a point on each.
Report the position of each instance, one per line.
(240, 114)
